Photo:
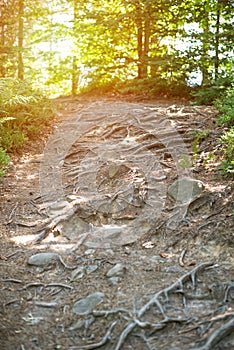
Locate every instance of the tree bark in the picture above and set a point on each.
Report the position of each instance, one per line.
(139, 38)
(75, 76)
(20, 40)
(75, 71)
(146, 42)
(205, 46)
(143, 38)
(217, 33)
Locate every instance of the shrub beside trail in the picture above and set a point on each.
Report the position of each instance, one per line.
(23, 114)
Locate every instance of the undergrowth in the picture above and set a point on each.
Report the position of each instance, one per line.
(221, 95)
(226, 107)
(206, 95)
(153, 87)
(227, 142)
(23, 114)
(148, 87)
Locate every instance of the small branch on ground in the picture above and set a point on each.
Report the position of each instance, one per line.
(104, 340)
(218, 335)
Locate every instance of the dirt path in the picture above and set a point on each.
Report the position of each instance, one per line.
(137, 234)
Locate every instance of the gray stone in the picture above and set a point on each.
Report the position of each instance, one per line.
(185, 190)
(86, 305)
(90, 251)
(112, 233)
(114, 169)
(58, 208)
(42, 259)
(117, 270)
(174, 269)
(78, 273)
(113, 280)
(73, 227)
(91, 268)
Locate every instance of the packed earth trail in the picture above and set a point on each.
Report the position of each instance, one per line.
(117, 231)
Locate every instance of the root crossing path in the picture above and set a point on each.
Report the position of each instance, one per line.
(117, 232)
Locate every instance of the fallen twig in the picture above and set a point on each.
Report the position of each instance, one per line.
(10, 280)
(99, 344)
(80, 242)
(218, 335)
(65, 265)
(229, 287)
(54, 222)
(181, 258)
(105, 313)
(46, 304)
(206, 224)
(14, 253)
(12, 213)
(38, 284)
(30, 224)
(201, 113)
(61, 285)
(11, 302)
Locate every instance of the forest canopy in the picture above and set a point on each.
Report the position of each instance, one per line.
(63, 46)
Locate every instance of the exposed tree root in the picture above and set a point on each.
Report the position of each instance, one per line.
(135, 321)
(155, 301)
(218, 335)
(53, 223)
(99, 344)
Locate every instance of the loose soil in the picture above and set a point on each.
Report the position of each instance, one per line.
(94, 190)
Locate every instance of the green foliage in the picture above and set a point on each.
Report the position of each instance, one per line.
(99, 88)
(198, 136)
(226, 106)
(154, 87)
(208, 94)
(227, 140)
(23, 113)
(184, 161)
(4, 161)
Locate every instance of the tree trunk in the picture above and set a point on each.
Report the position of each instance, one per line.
(75, 76)
(20, 40)
(146, 43)
(217, 40)
(139, 39)
(143, 38)
(2, 56)
(75, 71)
(205, 47)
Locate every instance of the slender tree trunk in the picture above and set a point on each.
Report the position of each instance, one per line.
(2, 40)
(205, 59)
(146, 43)
(205, 47)
(143, 38)
(75, 76)
(217, 40)
(75, 70)
(2, 35)
(20, 40)
(139, 38)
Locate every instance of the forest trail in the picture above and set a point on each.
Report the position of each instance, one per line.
(137, 233)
